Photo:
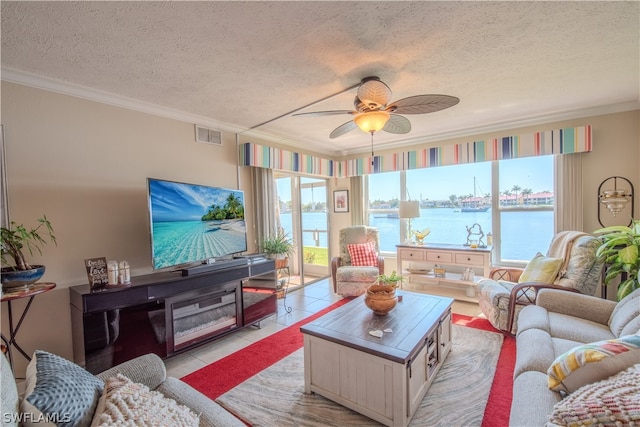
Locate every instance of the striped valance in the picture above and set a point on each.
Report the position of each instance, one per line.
(276, 158)
(559, 141)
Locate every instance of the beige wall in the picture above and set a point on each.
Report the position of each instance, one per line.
(85, 165)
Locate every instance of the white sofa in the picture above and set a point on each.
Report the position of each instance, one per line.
(558, 325)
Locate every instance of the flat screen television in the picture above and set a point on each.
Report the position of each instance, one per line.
(193, 223)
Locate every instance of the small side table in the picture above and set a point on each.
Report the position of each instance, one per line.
(19, 293)
(285, 285)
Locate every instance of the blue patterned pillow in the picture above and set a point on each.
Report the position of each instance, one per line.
(59, 392)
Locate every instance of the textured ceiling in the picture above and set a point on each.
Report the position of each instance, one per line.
(235, 65)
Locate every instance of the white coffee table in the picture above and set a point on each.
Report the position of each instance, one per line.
(383, 378)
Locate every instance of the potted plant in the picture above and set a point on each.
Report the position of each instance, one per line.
(381, 296)
(278, 246)
(15, 239)
(621, 255)
(394, 279)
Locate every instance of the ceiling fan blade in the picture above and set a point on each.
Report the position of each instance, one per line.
(342, 129)
(326, 113)
(421, 104)
(397, 124)
(374, 92)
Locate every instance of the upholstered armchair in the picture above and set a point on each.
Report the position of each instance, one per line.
(570, 264)
(359, 262)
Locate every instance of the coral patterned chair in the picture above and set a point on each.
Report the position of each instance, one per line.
(359, 262)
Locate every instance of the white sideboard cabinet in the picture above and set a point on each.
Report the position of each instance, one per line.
(417, 262)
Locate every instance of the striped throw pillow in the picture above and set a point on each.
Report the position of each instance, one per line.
(592, 362)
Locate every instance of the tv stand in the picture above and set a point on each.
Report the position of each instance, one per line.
(217, 265)
(167, 313)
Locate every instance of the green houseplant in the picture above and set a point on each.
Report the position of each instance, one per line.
(15, 239)
(621, 254)
(381, 296)
(278, 246)
(394, 279)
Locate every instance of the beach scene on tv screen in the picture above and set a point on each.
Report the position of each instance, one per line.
(192, 223)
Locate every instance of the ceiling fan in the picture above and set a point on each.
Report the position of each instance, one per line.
(373, 112)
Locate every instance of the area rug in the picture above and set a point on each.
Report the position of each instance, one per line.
(228, 372)
(457, 397)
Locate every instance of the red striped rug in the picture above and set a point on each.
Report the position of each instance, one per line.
(223, 375)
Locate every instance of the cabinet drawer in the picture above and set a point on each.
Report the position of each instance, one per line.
(414, 255)
(470, 259)
(437, 256)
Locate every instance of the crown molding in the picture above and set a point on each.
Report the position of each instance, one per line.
(90, 94)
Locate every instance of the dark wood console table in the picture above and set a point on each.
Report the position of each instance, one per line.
(166, 313)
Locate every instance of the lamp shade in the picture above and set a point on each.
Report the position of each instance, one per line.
(409, 209)
(371, 121)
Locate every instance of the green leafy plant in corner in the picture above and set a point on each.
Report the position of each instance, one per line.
(278, 244)
(621, 254)
(393, 279)
(17, 237)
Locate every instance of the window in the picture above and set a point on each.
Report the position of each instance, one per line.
(384, 199)
(525, 223)
(512, 199)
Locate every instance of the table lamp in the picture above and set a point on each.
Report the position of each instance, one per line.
(409, 209)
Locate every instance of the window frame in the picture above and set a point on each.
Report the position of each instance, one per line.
(496, 212)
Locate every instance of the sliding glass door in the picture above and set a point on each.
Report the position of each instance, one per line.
(303, 215)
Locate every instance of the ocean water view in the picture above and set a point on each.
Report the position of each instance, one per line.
(180, 242)
(524, 233)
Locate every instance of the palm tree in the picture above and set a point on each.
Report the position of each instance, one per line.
(234, 206)
(506, 193)
(526, 192)
(515, 189)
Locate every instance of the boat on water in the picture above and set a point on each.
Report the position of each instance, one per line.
(475, 205)
(389, 215)
(475, 209)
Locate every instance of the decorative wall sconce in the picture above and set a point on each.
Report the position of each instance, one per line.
(616, 199)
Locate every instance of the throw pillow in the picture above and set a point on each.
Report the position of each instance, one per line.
(127, 403)
(363, 254)
(59, 392)
(610, 402)
(592, 362)
(541, 269)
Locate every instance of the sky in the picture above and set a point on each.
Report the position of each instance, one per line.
(439, 183)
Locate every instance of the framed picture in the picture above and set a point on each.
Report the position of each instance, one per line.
(341, 201)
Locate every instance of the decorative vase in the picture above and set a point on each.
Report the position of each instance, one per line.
(381, 299)
(16, 278)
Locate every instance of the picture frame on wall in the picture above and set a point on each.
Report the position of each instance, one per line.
(341, 201)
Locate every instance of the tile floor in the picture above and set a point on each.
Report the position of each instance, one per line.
(303, 302)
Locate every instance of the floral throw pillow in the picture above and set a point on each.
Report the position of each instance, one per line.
(363, 254)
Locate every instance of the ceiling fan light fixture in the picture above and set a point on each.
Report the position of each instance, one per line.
(372, 121)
